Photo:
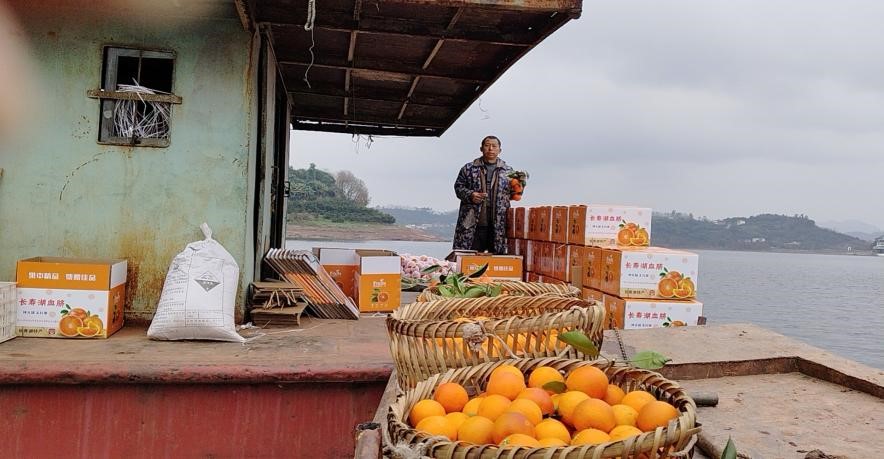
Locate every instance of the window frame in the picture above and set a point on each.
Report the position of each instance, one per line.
(108, 95)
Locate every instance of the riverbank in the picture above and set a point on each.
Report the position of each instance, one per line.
(321, 231)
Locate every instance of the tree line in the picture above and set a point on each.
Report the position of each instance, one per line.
(342, 197)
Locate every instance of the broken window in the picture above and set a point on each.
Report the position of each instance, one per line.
(136, 97)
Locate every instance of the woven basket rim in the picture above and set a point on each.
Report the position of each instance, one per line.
(685, 421)
(432, 293)
(453, 303)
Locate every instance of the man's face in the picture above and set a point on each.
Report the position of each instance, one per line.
(490, 150)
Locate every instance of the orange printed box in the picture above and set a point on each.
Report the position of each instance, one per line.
(544, 223)
(611, 225)
(378, 280)
(520, 221)
(592, 267)
(575, 263)
(501, 267)
(636, 313)
(341, 265)
(511, 222)
(70, 297)
(576, 220)
(533, 214)
(561, 266)
(650, 272)
(592, 294)
(546, 259)
(559, 224)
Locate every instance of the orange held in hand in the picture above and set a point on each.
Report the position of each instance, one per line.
(516, 185)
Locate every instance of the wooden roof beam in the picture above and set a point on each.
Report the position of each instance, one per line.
(392, 72)
(386, 96)
(419, 31)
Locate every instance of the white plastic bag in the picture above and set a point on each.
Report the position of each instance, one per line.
(199, 294)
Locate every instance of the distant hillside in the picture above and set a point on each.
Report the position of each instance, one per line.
(761, 232)
(431, 221)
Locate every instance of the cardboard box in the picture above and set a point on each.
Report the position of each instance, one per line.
(633, 313)
(592, 267)
(605, 225)
(537, 257)
(532, 277)
(521, 223)
(559, 224)
(650, 272)
(70, 297)
(546, 259)
(378, 280)
(511, 222)
(560, 262)
(576, 222)
(533, 215)
(575, 263)
(341, 264)
(544, 224)
(500, 267)
(511, 246)
(592, 294)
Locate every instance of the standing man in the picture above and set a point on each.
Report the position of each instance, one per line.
(484, 192)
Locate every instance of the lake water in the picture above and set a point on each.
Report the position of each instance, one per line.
(835, 302)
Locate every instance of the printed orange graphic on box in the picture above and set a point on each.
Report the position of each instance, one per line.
(501, 267)
(544, 223)
(378, 280)
(634, 313)
(559, 223)
(650, 272)
(70, 297)
(576, 220)
(520, 222)
(592, 267)
(341, 264)
(610, 225)
(511, 222)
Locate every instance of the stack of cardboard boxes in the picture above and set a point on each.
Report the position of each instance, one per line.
(372, 278)
(605, 251)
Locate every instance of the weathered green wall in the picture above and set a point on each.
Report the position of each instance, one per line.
(63, 194)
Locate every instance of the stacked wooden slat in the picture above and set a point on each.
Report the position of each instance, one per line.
(276, 303)
(323, 296)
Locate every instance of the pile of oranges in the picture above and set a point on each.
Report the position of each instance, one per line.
(516, 412)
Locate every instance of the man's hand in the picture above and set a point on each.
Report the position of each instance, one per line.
(478, 197)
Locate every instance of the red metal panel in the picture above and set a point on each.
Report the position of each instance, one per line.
(309, 420)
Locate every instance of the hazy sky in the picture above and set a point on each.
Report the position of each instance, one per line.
(719, 108)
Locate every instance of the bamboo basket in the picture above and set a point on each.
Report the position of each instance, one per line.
(431, 337)
(676, 440)
(515, 288)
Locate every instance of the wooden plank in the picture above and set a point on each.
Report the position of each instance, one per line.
(384, 72)
(119, 95)
(388, 96)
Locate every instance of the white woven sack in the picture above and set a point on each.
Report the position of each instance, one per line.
(199, 294)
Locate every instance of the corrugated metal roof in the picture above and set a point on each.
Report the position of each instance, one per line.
(399, 67)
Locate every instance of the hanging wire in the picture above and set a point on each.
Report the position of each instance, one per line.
(150, 122)
(308, 26)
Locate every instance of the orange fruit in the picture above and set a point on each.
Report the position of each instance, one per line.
(511, 423)
(637, 399)
(643, 234)
(506, 368)
(632, 226)
(682, 293)
(624, 236)
(550, 442)
(590, 437)
(666, 287)
(506, 384)
(687, 284)
(456, 419)
(424, 409)
(613, 395)
(543, 375)
(568, 402)
(472, 406)
(383, 297)
(452, 396)
(528, 408)
(94, 322)
(493, 406)
(674, 275)
(589, 380)
(86, 331)
(540, 397)
(593, 414)
(518, 439)
(624, 415)
(437, 425)
(79, 313)
(621, 432)
(476, 430)
(655, 414)
(552, 428)
(69, 325)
